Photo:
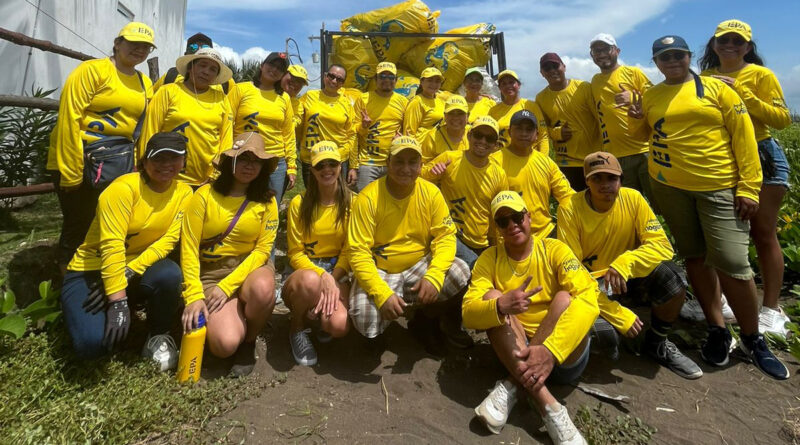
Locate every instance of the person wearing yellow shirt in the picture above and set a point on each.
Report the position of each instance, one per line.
(101, 98)
(381, 113)
(402, 245)
(522, 133)
(226, 239)
(124, 257)
(537, 304)
(328, 115)
(567, 106)
(425, 109)
(612, 90)
(617, 237)
(706, 177)
(469, 180)
(731, 57)
(193, 44)
(477, 104)
(450, 135)
(295, 79)
(318, 284)
(197, 109)
(511, 103)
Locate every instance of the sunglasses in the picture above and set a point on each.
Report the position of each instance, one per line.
(334, 77)
(503, 221)
(600, 50)
(724, 40)
(387, 76)
(672, 55)
(194, 47)
(550, 66)
(488, 137)
(326, 164)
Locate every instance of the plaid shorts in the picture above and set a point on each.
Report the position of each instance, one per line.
(366, 316)
(663, 283)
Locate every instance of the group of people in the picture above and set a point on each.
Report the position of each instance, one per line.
(436, 209)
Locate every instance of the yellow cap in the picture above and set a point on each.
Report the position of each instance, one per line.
(456, 102)
(735, 26)
(509, 199)
(430, 72)
(486, 121)
(299, 72)
(138, 32)
(324, 150)
(508, 73)
(386, 66)
(403, 142)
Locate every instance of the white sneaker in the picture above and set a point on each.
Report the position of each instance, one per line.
(494, 409)
(560, 427)
(774, 321)
(162, 350)
(691, 310)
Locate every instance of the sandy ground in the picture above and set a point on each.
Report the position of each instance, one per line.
(431, 400)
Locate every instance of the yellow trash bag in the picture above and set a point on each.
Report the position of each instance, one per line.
(356, 56)
(452, 56)
(407, 84)
(411, 16)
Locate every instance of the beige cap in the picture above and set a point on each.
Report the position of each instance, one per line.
(601, 162)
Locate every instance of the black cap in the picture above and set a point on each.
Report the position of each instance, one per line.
(278, 56)
(523, 115)
(669, 43)
(198, 38)
(167, 141)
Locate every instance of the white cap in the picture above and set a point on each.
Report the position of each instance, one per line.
(605, 38)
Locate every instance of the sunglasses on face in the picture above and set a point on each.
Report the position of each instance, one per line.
(326, 164)
(724, 40)
(194, 47)
(671, 55)
(503, 221)
(600, 50)
(387, 76)
(488, 137)
(550, 66)
(334, 77)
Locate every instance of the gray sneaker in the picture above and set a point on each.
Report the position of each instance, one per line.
(302, 349)
(666, 353)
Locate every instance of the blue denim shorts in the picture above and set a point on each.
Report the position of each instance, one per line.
(774, 165)
(326, 264)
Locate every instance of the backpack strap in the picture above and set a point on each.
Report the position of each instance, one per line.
(219, 238)
(171, 75)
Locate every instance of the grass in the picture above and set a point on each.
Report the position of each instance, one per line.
(599, 428)
(18, 229)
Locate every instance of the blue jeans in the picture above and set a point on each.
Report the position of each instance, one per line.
(466, 253)
(774, 165)
(369, 173)
(277, 180)
(160, 286)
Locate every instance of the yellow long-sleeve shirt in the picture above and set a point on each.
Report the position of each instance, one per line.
(479, 108)
(540, 179)
(512, 164)
(386, 114)
(628, 237)
(700, 144)
(97, 101)
(551, 265)
(134, 227)
(208, 215)
(502, 114)
(436, 142)
(615, 135)
(762, 94)
(422, 114)
(469, 191)
(394, 234)
(160, 82)
(324, 239)
(269, 114)
(205, 121)
(327, 118)
(572, 106)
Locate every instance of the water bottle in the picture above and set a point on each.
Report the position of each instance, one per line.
(191, 357)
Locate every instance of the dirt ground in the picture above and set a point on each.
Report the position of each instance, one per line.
(341, 400)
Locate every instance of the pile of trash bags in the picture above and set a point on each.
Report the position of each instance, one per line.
(452, 56)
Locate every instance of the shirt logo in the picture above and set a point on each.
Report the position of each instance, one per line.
(378, 251)
(309, 247)
(571, 265)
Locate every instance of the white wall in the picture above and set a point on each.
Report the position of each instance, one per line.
(88, 26)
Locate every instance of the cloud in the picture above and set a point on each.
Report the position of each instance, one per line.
(791, 87)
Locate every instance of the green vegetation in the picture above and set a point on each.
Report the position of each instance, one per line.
(24, 138)
(15, 321)
(599, 428)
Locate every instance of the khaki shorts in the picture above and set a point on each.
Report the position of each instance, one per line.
(636, 176)
(704, 224)
(212, 273)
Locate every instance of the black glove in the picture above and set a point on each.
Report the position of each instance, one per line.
(118, 320)
(96, 299)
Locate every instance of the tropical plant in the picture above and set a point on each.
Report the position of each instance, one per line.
(14, 321)
(24, 138)
(245, 71)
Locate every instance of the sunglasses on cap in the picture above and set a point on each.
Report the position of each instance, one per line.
(322, 165)
(503, 221)
(735, 40)
(385, 76)
(194, 47)
(489, 137)
(334, 77)
(672, 55)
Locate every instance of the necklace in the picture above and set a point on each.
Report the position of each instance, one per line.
(514, 268)
(194, 92)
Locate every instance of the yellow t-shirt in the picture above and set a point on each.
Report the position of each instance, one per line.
(469, 191)
(386, 114)
(436, 142)
(324, 239)
(762, 94)
(551, 265)
(208, 215)
(297, 109)
(540, 179)
(502, 114)
(479, 108)
(134, 227)
(617, 139)
(97, 101)
(327, 118)
(573, 106)
(422, 114)
(205, 121)
(700, 144)
(269, 114)
(394, 234)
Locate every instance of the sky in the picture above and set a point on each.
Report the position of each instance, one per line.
(249, 29)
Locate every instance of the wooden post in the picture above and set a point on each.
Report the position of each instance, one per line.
(152, 66)
(41, 103)
(44, 45)
(25, 190)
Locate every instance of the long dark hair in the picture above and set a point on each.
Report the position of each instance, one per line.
(710, 59)
(310, 203)
(257, 191)
(257, 79)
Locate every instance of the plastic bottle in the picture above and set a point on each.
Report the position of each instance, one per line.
(191, 356)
